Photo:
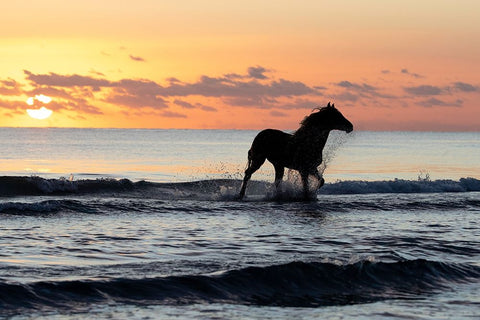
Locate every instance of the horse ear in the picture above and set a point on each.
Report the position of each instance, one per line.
(333, 105)
(328, 105)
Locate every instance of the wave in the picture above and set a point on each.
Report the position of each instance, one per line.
(26, 186)
(402, 186)
(295, 284)
(97, 205)
(217, 188)
(47, 207)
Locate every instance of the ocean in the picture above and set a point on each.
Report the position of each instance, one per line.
(144, 224)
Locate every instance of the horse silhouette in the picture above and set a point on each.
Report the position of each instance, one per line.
(301, 151)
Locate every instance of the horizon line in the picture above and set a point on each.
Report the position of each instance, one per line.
(233, 129)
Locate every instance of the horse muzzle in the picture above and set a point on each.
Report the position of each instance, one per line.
(348, 128)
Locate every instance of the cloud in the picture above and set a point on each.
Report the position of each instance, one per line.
(234, 76)
(9, 87)
(434, 102)
(207, 108)
(137, 101)
(257, 72)
(77, 105)
(354, 91)
(253, 88)
(184, 104)
(98, 73)
(172, 79)
(247, 102)
(465, 87)
(57, 80)
(68, 98)
(355, 86)
(54, 92)
(415, 75)
(188, 105)
(247, 86)
(226, 87)
(171, 114)
(424, 90)
(11, 104)
(136, 58)
(136, 94)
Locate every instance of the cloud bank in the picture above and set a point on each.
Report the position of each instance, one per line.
(257, 88)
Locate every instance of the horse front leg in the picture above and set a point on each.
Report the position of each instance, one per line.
(279, 172)
(306, 190)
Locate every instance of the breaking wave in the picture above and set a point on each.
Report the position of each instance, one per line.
(402, 186)
(35, 186)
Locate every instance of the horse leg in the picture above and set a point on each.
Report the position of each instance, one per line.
(279, 171)
(319, 178)
(254, 163)
(304, 176)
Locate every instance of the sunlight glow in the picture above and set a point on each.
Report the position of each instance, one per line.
(40, 114)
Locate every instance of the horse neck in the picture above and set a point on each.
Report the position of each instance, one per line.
(315, 136)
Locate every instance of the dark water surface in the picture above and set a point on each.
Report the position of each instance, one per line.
(166, 250)
(403, 244)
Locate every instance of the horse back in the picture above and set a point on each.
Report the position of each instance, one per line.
(271, 144)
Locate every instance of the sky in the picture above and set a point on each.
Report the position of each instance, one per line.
(386, 65)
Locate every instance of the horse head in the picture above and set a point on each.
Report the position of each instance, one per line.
(328, 118)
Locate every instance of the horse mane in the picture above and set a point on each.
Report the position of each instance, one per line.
(315, 111)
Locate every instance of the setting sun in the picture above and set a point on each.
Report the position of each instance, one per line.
(40, 114)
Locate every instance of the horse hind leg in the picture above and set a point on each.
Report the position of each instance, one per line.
(254, 163)
(320, 179)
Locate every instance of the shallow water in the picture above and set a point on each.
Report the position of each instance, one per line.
(109, 248)
(190, 155)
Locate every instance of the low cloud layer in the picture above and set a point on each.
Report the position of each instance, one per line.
(252, 89)
(256, 88)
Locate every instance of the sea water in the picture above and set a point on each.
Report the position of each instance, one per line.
(114, 223)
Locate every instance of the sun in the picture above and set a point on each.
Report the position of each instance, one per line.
(42, 113)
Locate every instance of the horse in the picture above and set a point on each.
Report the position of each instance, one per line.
(301, 150)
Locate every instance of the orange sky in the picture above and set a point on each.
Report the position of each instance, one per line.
(403, 65)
